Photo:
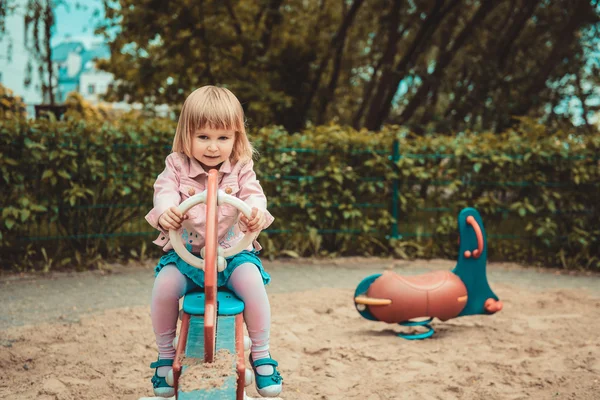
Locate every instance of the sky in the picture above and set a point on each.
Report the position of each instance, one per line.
(77, 22)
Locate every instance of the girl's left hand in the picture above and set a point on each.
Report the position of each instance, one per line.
(257, 221)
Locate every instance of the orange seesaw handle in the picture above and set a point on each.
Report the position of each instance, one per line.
(471, 221)
(370, 301)
(210, 268)
(493, 305)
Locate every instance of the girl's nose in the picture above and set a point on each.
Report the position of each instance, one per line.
(212, 147)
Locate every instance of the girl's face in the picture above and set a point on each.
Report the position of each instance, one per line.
(211, 147)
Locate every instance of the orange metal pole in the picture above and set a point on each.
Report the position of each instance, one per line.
(210, 268)
(180, 351)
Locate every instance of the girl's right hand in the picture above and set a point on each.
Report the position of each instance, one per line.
(171, 219)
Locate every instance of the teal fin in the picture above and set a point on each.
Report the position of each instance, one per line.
(472, 270)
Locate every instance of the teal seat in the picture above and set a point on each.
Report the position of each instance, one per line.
(227, 302)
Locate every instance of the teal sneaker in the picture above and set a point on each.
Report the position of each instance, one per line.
(159, 383)
(267, 385)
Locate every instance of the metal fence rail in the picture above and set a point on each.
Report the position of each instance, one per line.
(140, 228)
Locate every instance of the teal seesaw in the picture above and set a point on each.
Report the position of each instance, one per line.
(392, 298)
(212, 324)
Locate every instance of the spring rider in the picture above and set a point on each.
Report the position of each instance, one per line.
(465, 290)
(211, 320)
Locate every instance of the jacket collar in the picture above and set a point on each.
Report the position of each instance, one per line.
(195, 168)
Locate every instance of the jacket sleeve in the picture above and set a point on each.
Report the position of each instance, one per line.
(251, 192)
(166, 191)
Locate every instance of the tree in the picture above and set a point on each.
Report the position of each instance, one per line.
(6, 9)
(39, 21)
(445, 65)
(11, 106)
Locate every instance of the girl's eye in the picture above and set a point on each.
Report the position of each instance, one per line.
(202, 137)
(223, 138)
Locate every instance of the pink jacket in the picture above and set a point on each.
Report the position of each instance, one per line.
(184, 177)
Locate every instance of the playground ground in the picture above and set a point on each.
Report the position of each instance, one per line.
(88, 336)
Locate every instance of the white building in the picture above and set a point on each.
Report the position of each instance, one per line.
(14, 58)
(76, 67)
(77, 71)
(94, 83)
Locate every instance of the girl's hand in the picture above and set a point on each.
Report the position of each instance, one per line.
(172, 219)
(256, 222)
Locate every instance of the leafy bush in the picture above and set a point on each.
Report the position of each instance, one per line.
(80, 180)
(11, 106)
(77, 191)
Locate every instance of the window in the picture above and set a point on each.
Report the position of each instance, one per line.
(91, 88)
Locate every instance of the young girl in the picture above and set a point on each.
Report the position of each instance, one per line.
(211, 135)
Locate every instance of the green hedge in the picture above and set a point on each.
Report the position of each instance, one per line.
(75, 192)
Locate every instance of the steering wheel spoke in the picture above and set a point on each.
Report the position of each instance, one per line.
(198, 262)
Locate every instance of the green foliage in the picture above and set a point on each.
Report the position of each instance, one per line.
(11, 106)
(329, 188)
(80, 180)
(330, 194)
(79, 108)
(461, 64)
(537, 193)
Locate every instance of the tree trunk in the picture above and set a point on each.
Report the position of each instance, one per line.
(273, 19)
(555, 57)
(389, 82)
(325, 61)
(48, 23)
(582, 98)
(207, 46)
(515, 31)
(337, 62)
(495, 79)
(461, 102)
(445, 59)
(385, 61)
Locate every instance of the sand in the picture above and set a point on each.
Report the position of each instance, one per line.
(544, 344)
(200, 375)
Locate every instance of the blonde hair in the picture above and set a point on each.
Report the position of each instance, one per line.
(215, 108)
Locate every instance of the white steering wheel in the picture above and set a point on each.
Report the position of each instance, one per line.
(222, 198)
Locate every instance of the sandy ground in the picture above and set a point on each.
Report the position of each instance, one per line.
(543, 345)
